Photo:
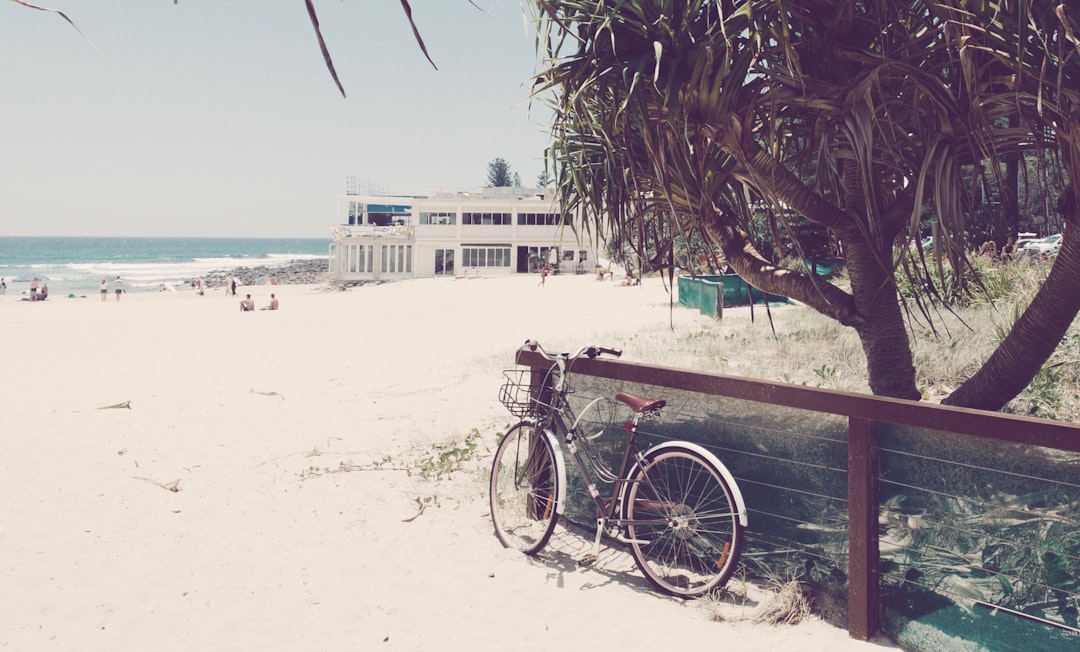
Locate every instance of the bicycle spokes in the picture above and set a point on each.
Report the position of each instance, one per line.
(524, 489)
(682, 523)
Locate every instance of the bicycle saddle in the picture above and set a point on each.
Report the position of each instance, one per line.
(640, 403)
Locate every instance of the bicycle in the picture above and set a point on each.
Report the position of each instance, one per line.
(676, 505)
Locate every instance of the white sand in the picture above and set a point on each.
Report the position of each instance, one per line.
(262, 548)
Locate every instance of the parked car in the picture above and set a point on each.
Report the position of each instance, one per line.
(1022, 240)
(1022, 243)
(1049, 245)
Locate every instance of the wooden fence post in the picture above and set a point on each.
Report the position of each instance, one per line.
(864, 609)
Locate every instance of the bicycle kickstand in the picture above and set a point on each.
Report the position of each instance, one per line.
(590, 559)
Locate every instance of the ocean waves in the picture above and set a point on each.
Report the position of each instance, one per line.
(77, 265)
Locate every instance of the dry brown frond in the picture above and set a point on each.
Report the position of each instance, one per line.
(788, 606)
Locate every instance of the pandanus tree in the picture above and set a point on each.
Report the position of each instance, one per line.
(679, 118)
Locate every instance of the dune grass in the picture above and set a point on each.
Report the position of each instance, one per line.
(794, 344)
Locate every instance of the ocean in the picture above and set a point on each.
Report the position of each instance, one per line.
(77, 265)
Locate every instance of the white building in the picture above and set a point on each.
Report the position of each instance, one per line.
(485, 233)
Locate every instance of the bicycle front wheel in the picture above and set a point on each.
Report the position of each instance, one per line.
(524, 489)
(683, 522)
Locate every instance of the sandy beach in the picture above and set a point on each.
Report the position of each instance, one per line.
(263, 491)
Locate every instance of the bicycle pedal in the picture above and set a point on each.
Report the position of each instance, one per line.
(587, 560)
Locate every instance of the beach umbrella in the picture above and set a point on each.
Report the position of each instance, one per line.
(266, 280)
(31, 277)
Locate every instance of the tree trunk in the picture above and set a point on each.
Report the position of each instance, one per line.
(889, 365)
(873, 310)
(1035, 336)
(873, 307)
(1010, 190)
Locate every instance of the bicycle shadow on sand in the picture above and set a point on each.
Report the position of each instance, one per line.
(615, 566)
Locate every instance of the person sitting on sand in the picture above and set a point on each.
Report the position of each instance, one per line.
(40, 295)
(273, 305)
(247, 304)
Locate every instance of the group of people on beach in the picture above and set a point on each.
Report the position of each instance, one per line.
(37, 293)
(118, 286)
(248, 304)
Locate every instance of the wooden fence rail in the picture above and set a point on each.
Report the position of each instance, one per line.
(864, 414)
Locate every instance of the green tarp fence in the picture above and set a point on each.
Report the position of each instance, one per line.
(704, 292)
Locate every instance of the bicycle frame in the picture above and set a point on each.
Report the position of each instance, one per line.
(552, 421)
(588, 461)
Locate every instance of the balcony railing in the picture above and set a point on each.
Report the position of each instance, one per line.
(371, 230)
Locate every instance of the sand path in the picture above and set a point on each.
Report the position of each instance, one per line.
(282, 535)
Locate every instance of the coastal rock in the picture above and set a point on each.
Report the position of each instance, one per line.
(295, 272)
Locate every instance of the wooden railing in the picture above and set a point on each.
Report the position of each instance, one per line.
(864, 414)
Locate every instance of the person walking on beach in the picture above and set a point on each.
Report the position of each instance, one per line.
(33, 288)
(543, 275)
(3, 286)
(118, 285)
(104, 289)
(232, 285)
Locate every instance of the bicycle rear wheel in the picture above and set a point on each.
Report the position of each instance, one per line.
(684, 526)
(524, 489)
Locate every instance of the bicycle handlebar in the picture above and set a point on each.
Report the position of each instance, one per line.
(589, 351)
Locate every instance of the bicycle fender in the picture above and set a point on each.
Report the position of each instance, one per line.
(711, 459)
(560, 471)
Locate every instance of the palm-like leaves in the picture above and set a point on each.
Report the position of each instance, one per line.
(859, 116)
(51, 11)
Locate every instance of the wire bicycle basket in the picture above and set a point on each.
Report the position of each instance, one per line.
(522, 396)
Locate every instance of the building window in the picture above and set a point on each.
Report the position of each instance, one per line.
(486, 255)
(396, 259)
(355, 259)
(444, 262)
(438, 217)
(540, 256)
(539, 219)
(486, 218)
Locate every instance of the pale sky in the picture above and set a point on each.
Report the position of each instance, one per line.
(219, 118)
